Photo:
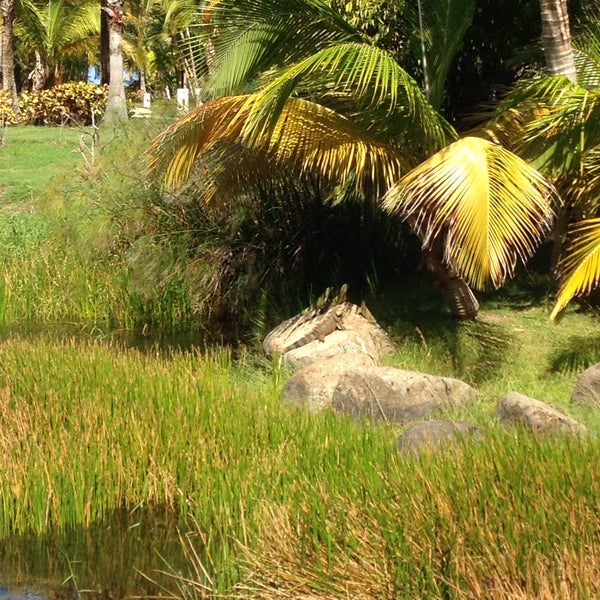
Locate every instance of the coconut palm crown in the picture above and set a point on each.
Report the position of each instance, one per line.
(330, 104)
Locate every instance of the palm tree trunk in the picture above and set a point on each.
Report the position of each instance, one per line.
(458, 294)
(104, 47)
(556, 39)
(38, 75)
(143, 88)
(7, 8)
(116, 104)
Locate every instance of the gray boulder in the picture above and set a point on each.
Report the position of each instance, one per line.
(435, 435)
(389, 394)
(587, 388)
(312, 387)
(315, 336)
(538, 417)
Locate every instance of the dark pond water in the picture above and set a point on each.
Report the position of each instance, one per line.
(127, 555)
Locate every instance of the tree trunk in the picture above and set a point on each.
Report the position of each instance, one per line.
(104, 46)
(116, 104)
(143, 88)
(556, 39)
(7, 8)
(458, 294)
(38, 75)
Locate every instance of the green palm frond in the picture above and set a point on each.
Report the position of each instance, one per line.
(581, 190)
(307, 138)
(586, 47)
(588, 65)
(251, 37)
(57, 29)
(580, 267)
(366, 75)
(560, 137)
(491, 205)
(445, 23)
(561, 122)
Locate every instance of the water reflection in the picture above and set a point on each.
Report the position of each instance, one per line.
(112, 559)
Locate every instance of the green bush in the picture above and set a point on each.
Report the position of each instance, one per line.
(76, 101)
(7, 116)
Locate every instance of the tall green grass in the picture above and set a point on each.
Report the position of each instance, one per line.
(67, 229)
(280, 503)
(284, 503)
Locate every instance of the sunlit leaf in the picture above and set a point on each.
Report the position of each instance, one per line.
(307, 138)
(492, 207)
(580, 266)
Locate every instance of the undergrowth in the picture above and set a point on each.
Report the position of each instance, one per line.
(278, 503)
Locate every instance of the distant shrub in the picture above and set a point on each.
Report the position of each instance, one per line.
(7, 116)
(75, 101)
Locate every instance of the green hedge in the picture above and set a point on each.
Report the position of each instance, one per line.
(7, 116)
(77, 101)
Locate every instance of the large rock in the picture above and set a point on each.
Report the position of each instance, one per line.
(538, 417)
(435, 435)
(587, 388)
(312, 386)
(389, 394)
(341, 329)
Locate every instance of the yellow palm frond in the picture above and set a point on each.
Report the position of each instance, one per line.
(492, 207)
(580, 266)
(307, 138)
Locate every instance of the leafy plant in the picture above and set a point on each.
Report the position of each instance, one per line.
(7, 115)
(78, 101)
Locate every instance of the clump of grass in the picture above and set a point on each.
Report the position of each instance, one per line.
(286, 502)
(508, 518)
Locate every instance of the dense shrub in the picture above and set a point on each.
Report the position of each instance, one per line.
(7, 116)
(76, 101)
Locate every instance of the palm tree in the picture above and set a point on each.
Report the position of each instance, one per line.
(333, 105)
(556, 39)
(152, 31)
(116, 104)
(54, 32)
(7, 9)
(555, 124)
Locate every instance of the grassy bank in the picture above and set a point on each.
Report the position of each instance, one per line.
(278, 503)
(285, 502)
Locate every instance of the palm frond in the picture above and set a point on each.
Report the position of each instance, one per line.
(586, 47)
(251, 37)
(307, 138)
(561, 122)
(580, 267)
(588, 65)
(490, 204)
(367, 75)
(445, 22)
(56, 29)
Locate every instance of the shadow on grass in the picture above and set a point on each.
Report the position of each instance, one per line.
(417, 314)
(581, 352)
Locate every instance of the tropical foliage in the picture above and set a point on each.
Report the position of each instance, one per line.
(367, 93)
(337, 107)
(77, 103)
(555, 124)
(58, 38)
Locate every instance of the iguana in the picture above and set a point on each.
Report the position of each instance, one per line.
(326, 315)
(330, 322)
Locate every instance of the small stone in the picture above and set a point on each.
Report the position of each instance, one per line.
(537, 416)
(434, 435)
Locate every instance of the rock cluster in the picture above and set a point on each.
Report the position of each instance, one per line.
(336, 359)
